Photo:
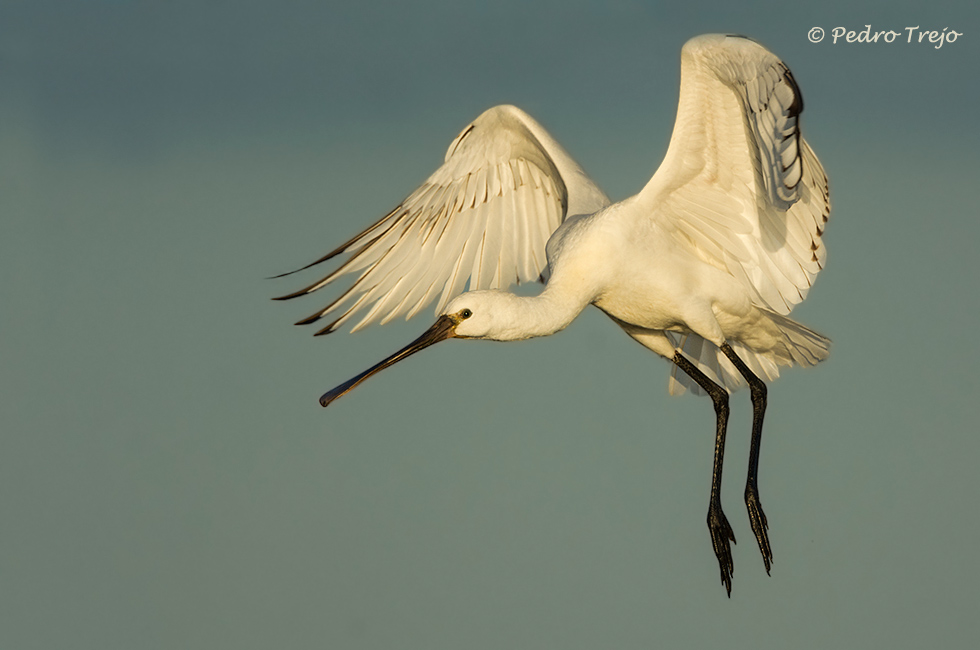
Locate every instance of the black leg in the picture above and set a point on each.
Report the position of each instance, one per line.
(756, 516)
(718, 526)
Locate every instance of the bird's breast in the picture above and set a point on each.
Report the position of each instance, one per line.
(653, 285)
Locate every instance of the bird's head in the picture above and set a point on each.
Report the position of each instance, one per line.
(476, 314)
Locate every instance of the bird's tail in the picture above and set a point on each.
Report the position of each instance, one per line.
(799, 345)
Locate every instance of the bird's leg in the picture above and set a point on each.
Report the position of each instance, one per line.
(721, 531)
(756, 516)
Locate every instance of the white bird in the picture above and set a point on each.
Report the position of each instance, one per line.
(701, 266)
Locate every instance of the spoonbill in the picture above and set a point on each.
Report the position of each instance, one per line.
(702, 266)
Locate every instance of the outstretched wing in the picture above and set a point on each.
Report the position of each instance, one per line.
(739, 184)
(483, 217)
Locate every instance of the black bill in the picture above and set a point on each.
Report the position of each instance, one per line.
(440, 331)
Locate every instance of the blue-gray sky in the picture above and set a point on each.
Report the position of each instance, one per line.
(167, 479)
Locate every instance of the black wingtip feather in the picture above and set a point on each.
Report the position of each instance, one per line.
(312, 318)
(329, 329)
(334, 253)
(295, 294)
(797, 106)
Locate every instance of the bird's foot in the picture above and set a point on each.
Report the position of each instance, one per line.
(721, 534)
(757, 518)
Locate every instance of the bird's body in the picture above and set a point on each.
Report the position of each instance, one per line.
(701, 266)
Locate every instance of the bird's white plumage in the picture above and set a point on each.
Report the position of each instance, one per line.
(719, 246)
(483, 218)
(740, 186)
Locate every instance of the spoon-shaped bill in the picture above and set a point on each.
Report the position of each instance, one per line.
(440, 331)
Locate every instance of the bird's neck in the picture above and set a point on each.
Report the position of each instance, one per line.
(531, 316)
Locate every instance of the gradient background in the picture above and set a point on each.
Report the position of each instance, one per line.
(167, 479)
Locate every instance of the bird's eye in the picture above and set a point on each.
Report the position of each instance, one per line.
(466, 313)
